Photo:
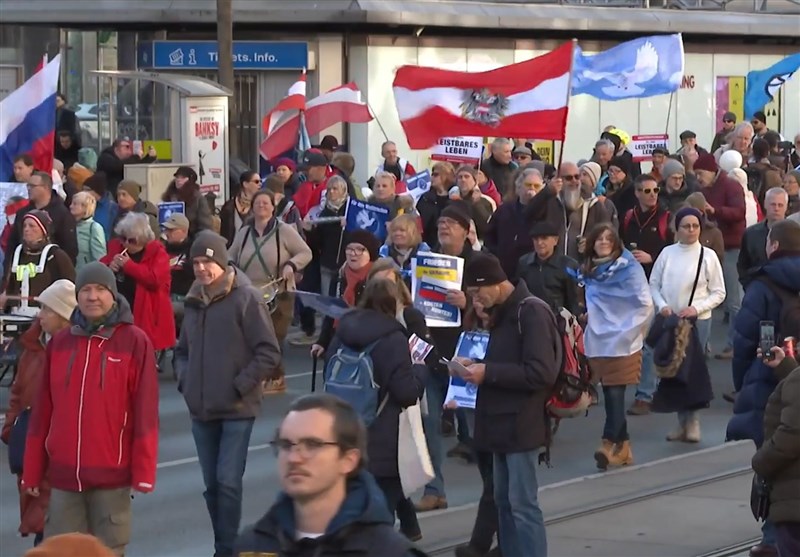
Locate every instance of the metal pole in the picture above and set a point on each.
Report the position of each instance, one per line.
(569, 96)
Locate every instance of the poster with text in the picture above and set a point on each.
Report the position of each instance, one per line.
(432, 276)
(641, 146)
(458, 150)
(207, 146)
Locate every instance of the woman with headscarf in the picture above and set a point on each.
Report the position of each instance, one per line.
(184, 188)
(235, 212)
(618, 313)
(35, 264)
(686, 281)
(57, 303)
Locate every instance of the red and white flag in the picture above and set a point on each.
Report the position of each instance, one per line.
(342, 104)
(528, 99)
(281, 125)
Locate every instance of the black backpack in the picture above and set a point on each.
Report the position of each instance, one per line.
(789, 321)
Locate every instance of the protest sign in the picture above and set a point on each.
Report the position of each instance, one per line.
(432, 276)
(366, 216)
(166, 209)
(7, 191)
(418, 185)
(458, 150)
(472, 345)
(641, 146)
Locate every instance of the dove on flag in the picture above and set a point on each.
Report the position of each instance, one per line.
(763, 85)
(642, 67)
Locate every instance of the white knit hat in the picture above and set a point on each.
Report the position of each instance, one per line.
(59, 297)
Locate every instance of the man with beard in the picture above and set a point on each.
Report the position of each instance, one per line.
(571, 206)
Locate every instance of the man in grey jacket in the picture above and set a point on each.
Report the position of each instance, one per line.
(227, 348)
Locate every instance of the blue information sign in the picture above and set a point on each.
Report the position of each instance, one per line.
(166, 209)
(202, 55)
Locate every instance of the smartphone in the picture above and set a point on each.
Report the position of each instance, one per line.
(766, 339)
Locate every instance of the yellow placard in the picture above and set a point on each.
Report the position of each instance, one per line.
(545, 148)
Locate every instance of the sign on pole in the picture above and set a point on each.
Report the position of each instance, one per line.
(641, 146)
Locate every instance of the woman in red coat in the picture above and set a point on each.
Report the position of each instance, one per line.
(143, 277)
(57, 302)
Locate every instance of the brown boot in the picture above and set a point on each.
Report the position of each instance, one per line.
(602, 455)
(430, 503)
(622, 455)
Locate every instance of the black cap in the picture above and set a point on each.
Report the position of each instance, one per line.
(484, 269)
(544, 228)
(186, 172)
(688, 134)
(313, 157)
(329, 142)
(459, 212)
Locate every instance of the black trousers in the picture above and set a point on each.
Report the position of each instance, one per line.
(485, 527)
(399, 505)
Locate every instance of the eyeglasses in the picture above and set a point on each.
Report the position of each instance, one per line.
(533, 185)
(690, 226)
(255, 181)
(355, 250)
(648, 191)
(571, 177)
(305, 448)
(131, 240)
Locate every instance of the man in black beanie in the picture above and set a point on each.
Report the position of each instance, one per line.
(516, 378)
(233, 350)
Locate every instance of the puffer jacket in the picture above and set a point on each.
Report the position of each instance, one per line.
(396, 376)
(751, 377)
(778, 459)
(91, 242)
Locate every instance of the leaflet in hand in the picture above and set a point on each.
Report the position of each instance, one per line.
(472, 345)
(419, 349)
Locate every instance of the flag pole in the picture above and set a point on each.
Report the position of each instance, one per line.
(375, 115)
(669, 113)
(569, 96)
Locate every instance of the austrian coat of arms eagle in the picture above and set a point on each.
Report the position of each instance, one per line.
(484, 107)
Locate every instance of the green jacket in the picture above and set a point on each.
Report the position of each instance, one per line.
(91, 242)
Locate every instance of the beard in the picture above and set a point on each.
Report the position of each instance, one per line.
(572, 198)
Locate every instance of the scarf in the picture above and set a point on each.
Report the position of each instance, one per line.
(354, 279)
(333, 205)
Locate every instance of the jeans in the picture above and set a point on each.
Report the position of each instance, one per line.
(768, 536)
(399, 505)
(463, 429)
(703, 327)
(733, 289)
(435, 389)
(788, 538)
(222, 451)
(649, 380)
(616, 426)
(521, 532)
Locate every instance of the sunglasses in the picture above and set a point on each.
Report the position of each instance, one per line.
(648, 191)
(570, 176)
(729, 121)
(131, 241)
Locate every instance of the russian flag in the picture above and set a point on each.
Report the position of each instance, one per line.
(28, 121)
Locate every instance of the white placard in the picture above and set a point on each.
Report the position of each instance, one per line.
(458, 150)
(207, 145)
(641, 146)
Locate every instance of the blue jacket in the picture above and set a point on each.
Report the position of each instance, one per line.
(752, 379)
(363, 527)
(106, 214)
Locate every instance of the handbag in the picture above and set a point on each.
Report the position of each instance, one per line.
(413, 459)
(759, 498)
(16, 441)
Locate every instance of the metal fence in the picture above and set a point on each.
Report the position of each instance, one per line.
(738, 6)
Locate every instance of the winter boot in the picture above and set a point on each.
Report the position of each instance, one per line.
(679, 433)
(603, 454)
(622, 455)
(692, 428)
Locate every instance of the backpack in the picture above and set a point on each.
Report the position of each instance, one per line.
(789, 321)
(573, 390)
(349, 376)
(663, 223)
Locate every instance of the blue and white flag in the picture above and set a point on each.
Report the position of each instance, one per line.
(763, 85)
(642, 67)
(366, 216)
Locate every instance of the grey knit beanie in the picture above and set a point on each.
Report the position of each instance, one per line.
(672, 167)
(212, 245)
(96, 273)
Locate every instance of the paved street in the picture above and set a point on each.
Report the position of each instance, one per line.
(172, 521)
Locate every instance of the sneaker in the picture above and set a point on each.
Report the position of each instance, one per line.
(274, 386)
(430, 503)
(726, 354)
(639, 408)
(301, 338)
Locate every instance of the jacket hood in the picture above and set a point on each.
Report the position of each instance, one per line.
(146, 207)
(361, 327)
(785, 271)
(121, 313)
(32, 339)
(363, 504)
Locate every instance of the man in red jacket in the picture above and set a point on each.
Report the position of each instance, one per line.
(725, 206)
(309, 194)
(94, 426)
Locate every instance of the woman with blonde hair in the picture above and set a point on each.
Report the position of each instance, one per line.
(384, 193)
(91, 235)
(403, 244)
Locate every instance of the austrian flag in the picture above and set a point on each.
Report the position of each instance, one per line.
(528, 99)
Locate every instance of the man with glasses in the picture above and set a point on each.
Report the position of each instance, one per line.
(113, 159)
(522, 155)
(645, 231)
(41, 196)
(728, 123)
(233, 350)
(329, 504)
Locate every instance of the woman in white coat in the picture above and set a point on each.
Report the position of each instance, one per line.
(672, 284)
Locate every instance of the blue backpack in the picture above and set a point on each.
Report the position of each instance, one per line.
(349, 376)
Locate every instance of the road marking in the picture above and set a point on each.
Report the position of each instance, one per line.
(192, 459)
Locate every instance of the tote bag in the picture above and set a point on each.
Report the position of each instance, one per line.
(413, 460)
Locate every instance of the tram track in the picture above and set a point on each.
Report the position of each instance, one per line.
(645, 495)
(732, 550)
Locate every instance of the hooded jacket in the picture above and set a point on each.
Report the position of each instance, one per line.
(751, 377)
(727, 198)
(94, 424)
(226, 349)
(394, 373)
(508, 235)
(363, 527)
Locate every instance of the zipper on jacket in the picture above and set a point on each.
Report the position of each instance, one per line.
(80, 414)
(102, 371)
(70, 363)
(121, 432)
